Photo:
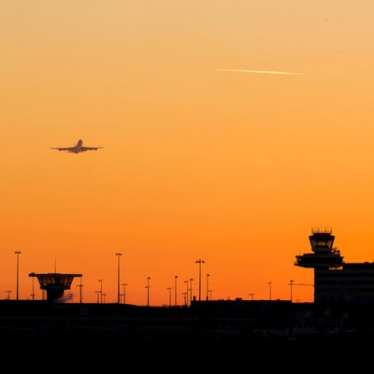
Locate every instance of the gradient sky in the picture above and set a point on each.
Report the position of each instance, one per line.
(234, 168)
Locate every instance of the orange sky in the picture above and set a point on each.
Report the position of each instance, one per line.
(234, 168)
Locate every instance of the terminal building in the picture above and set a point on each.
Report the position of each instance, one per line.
(336, 281)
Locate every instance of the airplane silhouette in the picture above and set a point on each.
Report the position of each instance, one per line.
(78, 148)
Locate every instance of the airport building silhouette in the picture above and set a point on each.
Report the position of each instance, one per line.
(54, 283)
(336, 281)
(343, 309)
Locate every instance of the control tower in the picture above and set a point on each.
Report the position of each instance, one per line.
(323, 259)
(324, 254)
(55, 283)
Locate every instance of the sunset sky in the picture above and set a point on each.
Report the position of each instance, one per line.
(232, 167)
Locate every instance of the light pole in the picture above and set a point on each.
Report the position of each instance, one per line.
(191, 280)
(175, 289)
(269, 284)
(17, 253)
(200, 262)
(148, 286)
(97, 296)
(207, 286)
(124, 285)
(291, 285)
(118, 255)
(186, 282)
(211, 294)
(101, 290)
(80, 286)
(33, 288)
(169, 289)
(8, 292)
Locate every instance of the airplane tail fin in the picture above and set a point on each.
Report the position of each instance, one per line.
(80, 143)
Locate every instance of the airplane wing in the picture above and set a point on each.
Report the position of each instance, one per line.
(84, 149)
(67, 149)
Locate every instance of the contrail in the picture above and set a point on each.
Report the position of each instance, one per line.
(270, 72)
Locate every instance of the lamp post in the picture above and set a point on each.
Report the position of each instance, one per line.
(191, 280)
(118, 255)
(148, 286)
(269, 284)
(101, 290)
(169, 289)
(8, 292)
(200, 262)
(175, 289)
(17, 253)
(97, 296)
(80, 286)
(186, 282)
(207, 286)
(33, 288)
(124, 285)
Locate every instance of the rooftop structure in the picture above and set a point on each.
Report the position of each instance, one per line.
(55, 283)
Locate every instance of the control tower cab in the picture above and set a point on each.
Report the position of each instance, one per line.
(324, 254)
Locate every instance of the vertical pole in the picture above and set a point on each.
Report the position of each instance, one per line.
(118, 280)
(118, 254)
(148, 286)
(200, 261)
(207, 286)
(200, 281)
(33, 288)
(269, 283)
(17, 283)
(80, 285)
(175, 290)
(101, 291)
(191, 280)
(186, 282)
